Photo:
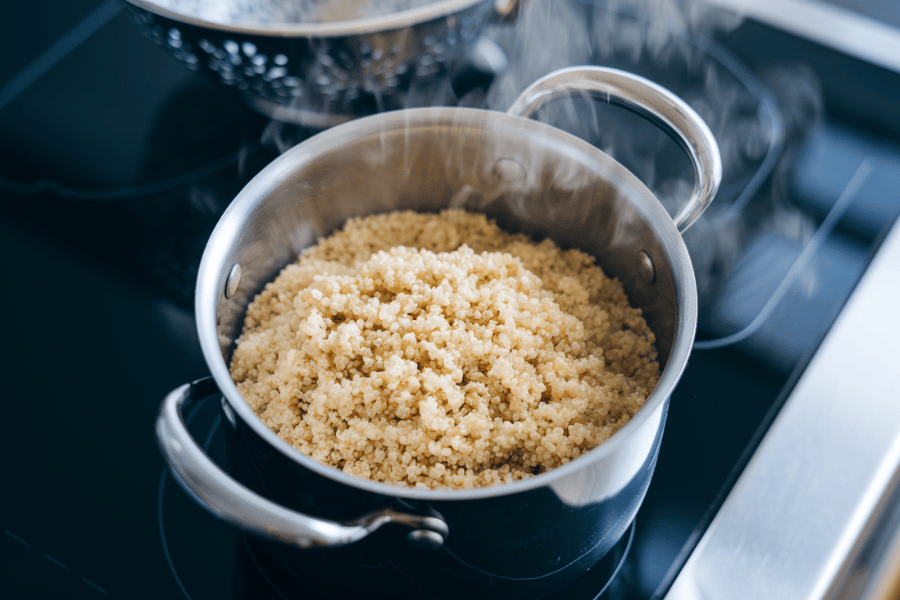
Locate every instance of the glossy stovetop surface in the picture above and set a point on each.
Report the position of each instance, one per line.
(115, 166)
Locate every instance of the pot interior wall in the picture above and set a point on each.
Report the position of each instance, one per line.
(529, 177)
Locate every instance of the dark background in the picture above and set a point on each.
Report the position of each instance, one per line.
(115, 161)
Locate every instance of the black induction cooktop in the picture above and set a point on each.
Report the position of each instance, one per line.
(116, 165)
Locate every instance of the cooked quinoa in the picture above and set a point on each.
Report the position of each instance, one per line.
(436, 350)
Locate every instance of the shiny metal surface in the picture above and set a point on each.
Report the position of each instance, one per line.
(815, 492)
(874, 571)
(358, 26)
(234, 280)
(825, 23)
(650, 100)
(531, 178)
(321, 74)
(427, 159)
(234, 503)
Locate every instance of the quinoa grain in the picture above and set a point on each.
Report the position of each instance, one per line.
(439, 351)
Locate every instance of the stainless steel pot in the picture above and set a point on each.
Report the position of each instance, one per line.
(321, 74)
(523, 539)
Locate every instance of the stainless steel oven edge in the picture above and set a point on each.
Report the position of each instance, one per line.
(806, 517)
(830, 24)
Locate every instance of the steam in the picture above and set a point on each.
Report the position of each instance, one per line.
(551, 35)
(670, 42)
(757, 121)
(798, 93)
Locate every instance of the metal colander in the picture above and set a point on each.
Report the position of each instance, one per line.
(320, 74)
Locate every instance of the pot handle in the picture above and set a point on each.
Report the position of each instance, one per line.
(650, 100)
(232, 502)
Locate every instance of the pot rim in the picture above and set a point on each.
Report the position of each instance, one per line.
(393, 21)
(209, 290)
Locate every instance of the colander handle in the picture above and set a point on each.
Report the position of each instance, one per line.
(224, 497)
(650, 100)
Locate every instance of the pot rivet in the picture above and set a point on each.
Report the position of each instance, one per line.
(234, 279)
(424, 539)
(510, 173)
(648, 271)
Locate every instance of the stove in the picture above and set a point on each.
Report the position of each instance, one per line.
(117, 162)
